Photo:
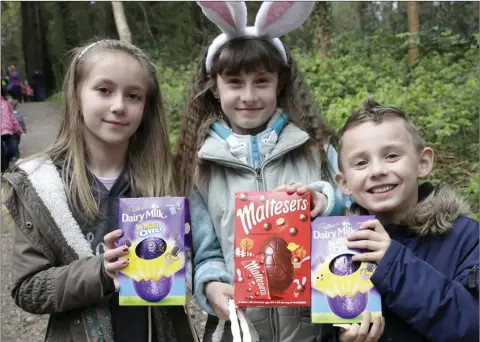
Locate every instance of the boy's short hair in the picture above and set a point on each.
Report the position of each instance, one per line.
(371, 111)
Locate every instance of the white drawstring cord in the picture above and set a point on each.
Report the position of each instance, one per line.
(218, 333)
(149, 324)
(232, 314)
(246, 327)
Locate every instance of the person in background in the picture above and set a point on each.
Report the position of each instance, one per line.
(10, 127)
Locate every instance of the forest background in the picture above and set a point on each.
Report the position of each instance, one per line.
(422, 57)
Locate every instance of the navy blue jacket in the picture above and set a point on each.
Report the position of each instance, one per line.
(428, 278)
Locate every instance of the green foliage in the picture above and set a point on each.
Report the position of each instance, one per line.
(56, 98)
(439, 93)
(174, 84)
(12, 49)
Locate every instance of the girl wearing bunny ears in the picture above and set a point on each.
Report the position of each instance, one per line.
(249, 126)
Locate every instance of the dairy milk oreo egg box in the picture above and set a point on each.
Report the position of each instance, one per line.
(157, 231)
(272, 249)
(341, 288)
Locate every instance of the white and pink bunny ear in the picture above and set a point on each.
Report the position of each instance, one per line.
(229, 16)
(277, 18)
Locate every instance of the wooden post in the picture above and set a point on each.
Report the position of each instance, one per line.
(413, 50)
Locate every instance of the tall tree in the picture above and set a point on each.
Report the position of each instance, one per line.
(32, 38)
(321, 17)
(121, 21)
(361, 6)
(413, 50)
(11, 42)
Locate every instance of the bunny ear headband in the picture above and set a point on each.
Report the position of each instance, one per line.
(274, 19)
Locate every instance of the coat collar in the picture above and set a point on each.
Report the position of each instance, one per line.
(434, 214)
(290, 137)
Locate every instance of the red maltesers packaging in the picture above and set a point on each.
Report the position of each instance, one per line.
(272, 249)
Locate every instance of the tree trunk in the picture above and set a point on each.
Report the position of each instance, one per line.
(322, 20)
(32, 38)
(413, 51)
(361, 6)
(47, 66)
(121, 21)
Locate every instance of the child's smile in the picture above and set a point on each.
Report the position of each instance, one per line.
(382, 189)
(248, 100)
(381, 167)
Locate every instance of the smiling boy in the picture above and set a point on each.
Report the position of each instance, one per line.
(425, 247)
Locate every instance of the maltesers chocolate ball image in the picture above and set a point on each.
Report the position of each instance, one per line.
(151, 248)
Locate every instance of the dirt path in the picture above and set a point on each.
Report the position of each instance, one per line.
(42, 121)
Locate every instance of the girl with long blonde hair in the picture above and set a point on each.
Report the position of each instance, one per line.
(113, 142)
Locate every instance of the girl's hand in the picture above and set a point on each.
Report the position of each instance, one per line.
(376, 240)
(319, 201)
(110, 257)
(359, 332)
(218, 294)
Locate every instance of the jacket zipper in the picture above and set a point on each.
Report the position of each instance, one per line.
(271, 314)
(259, 179)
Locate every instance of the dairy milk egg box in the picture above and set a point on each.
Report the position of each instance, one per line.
(341, 288)
(157, 231)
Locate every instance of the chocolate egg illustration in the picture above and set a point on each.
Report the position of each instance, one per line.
(343, 265)
(278, 264)
(348, 307)
(152, 290)
(151, 248)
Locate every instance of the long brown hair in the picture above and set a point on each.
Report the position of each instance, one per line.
(202, 109)
(149, 158)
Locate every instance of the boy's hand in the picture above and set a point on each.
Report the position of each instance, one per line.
(376, 240)
(110, 257)
(218, 294)
(359, 332)
(319, 200)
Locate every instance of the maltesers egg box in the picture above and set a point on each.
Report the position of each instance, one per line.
(272, 249)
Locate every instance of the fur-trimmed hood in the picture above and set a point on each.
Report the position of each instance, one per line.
(435, 213)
